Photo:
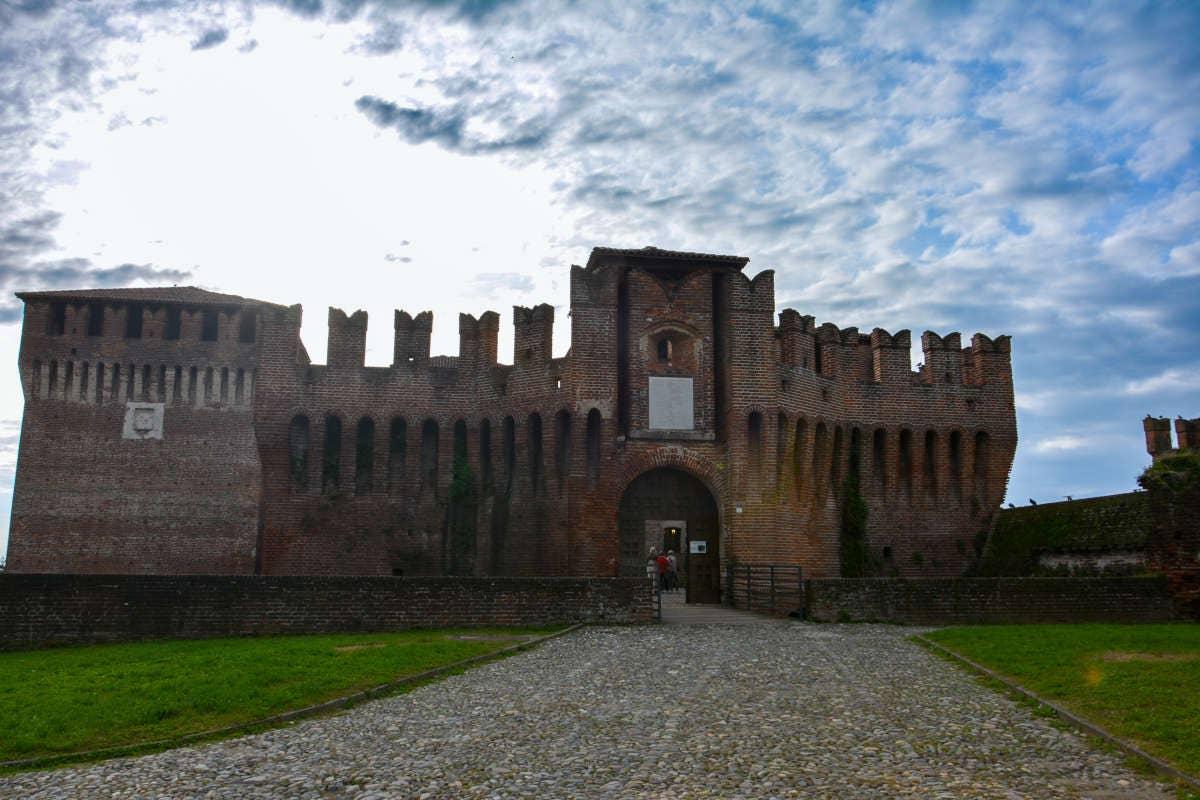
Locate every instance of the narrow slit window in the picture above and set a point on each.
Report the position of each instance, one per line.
(956, 464)
(562, 448)
(397, 453)
(835, 460)
(929, 472)
(133, 321)
(781, 432)
(754, 441)
(56, 323)
(171, 331)
(331, 456)
(798, 457)
(429, 455)
(593, 446)
(95, 325)
(536, 479)
(364, 457)
(298, 450)
(246, 325)
(209, 325)
(485, 456)
(879, 458)
(980, 469)
(510, 453)
(904, 464)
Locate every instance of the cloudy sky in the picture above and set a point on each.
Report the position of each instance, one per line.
(948, 166)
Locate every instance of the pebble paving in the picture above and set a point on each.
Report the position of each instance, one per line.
(777, 709)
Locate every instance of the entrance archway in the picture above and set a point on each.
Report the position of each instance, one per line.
(666, 507)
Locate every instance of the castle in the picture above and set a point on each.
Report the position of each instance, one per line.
(178, 430)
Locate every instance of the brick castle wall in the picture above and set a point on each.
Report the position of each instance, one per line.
(89, 499)
(352, 469)
(979, 601)
(59, 609)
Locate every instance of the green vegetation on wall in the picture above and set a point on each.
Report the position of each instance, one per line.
(1173, 474)
(857, 561)
(1115, 523)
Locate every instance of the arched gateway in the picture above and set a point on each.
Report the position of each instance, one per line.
(668, 509)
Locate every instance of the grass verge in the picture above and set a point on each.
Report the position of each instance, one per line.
(74, 699)
(1140, 682)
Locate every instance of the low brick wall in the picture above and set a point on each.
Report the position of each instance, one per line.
(50, 609)
(976, 601)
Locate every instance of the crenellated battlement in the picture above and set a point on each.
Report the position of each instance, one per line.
(347, 348)
(533, 333)
(1158, 435)
(412, 334)
(848, 354)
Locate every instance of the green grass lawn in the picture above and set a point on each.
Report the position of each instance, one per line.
(1141, 682)
(86, 698)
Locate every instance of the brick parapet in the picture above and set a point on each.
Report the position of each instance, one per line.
(988, 601)
(39, 610)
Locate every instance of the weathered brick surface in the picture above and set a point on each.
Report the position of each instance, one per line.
(56, 609)
(933, 447)
(979, 601)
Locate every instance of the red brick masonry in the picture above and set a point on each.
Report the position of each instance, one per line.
(58, 609)
(980, 601)
(266, 463)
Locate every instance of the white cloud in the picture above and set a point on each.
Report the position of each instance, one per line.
(1166, 382)
(1060, 444)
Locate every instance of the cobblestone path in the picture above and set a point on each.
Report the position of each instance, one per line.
(770, 710)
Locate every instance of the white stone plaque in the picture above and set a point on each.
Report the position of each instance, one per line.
(671, 404)
(143, 421)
